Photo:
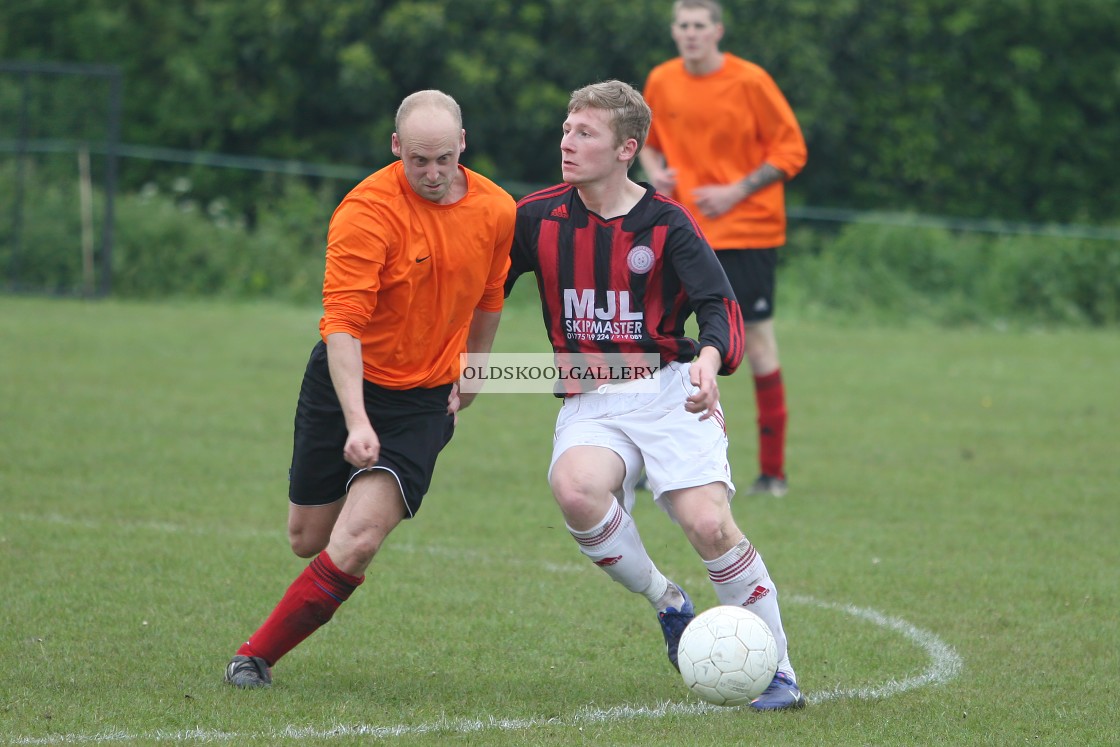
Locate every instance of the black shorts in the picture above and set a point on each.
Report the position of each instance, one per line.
(412, 425)
(752, 273)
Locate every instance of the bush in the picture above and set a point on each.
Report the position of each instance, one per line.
(164, 248)
(904, 272)
(49, 256)
(284, 254)
(169, 244)
(1044, 279)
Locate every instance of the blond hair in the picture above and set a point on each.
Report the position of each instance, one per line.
(713, 8)
(630, 116)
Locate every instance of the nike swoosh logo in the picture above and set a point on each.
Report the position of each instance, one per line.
(421, 259)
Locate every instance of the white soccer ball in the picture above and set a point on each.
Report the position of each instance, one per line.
(727, 655)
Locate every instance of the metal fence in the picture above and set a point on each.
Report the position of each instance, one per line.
(61, 124)
(76, 103)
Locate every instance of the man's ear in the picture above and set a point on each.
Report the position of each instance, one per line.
(629, 150)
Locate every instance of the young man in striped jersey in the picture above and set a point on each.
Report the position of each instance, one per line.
(601, 235)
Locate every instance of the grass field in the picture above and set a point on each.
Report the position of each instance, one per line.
(947, 555)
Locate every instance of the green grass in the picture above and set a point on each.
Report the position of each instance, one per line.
(954, 494)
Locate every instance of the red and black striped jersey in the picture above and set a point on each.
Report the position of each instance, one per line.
(628, 284)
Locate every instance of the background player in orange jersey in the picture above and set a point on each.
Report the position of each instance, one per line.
(724, 141)
(602, 236)
(419, 252)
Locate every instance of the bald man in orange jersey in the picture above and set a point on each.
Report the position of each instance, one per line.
(417, 256)
(724, 141)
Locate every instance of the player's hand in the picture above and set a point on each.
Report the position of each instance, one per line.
(714, 200)
(457, 401)
(664, 181)
(705, 391)
(363, 448)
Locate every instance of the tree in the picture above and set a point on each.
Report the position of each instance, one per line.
(1002, 108)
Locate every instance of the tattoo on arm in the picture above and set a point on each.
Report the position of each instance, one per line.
(763, 176)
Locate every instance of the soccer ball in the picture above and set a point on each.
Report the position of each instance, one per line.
(727, 655)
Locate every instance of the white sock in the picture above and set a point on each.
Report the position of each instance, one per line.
(614, 545)
(740, 578)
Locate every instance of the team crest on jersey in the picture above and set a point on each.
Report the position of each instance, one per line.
(640, 260)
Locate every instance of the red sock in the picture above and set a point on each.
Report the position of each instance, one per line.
(307, 605)
(770, 396)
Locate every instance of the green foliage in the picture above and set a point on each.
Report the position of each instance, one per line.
(994, 109)
(1073, 281)
(56, 262)
(170, 242)
(997, 109)
(905, 272)
(163, 249)
(946, 107)
(168, 247)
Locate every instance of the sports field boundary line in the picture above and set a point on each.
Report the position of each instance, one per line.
(945, 664)
(276, 535)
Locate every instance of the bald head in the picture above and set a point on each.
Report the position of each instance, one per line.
(429, 140)
(431, 104)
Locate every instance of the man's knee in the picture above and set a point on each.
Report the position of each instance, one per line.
(309, 527)
(582, 498)
(705, 516)
(572, 489)
(306, 544)
(709, 528)
(761, 348)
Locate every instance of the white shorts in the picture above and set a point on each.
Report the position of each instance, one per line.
(677, 449)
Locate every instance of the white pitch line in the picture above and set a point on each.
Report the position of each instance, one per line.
(160, 527)
(945, 664)
(164, 527)
(584, 717)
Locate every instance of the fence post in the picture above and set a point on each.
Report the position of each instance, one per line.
(21, 176)
(112, 141)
